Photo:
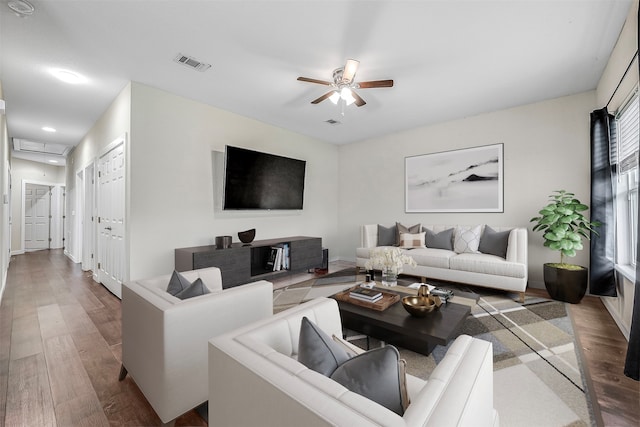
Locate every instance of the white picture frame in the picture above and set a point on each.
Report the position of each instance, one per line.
(464, 180)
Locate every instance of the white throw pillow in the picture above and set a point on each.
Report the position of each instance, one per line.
(410, 241)
(467, 239)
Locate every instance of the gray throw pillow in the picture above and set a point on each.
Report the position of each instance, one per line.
(195, 289)
(401, 229)
(378, 375)
(177, 283)
(317, 350)
(494, 242)
(386, 236)
(441, 240)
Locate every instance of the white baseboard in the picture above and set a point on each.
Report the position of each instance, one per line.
(3, 284)
(71, 257)
(18, 252)
(616, 317)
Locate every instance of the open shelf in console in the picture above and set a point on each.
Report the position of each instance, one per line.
(270, 259)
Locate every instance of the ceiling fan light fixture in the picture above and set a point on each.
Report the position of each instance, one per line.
(335, 97)
(68, 76)
(350, 69)
(347, 96)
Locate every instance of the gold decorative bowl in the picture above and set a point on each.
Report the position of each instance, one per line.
(418, 306)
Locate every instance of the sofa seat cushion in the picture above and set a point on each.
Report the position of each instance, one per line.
(429, 257)
(487, 264)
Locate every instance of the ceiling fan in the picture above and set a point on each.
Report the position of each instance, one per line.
(344, 84)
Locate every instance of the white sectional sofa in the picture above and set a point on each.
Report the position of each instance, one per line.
(256, 380)
(474, 268)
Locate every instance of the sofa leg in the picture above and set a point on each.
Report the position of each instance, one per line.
(123, 373)
(171, 423)
(521, 297)
(423, 280)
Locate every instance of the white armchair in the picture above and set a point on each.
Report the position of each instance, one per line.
(164, 338)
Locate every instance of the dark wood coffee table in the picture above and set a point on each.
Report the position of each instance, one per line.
(396, 326)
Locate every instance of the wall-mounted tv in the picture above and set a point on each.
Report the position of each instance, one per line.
(255, 180)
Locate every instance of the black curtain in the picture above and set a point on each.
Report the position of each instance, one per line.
(632, 364)
(602, 277)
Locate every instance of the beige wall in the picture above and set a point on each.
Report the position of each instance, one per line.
(546, 147)
(172, 179)
(34, 173)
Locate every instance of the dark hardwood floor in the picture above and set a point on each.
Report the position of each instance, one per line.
(60, 353)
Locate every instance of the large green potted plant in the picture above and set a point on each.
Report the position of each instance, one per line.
(564, 226)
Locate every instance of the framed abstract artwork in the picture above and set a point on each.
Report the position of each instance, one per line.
(465, 180)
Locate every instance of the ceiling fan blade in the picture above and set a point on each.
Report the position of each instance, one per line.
(323, 97)
(375, 83)
(359, 101)
(350, 70)
(320, 82)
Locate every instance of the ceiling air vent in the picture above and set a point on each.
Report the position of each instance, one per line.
(191, 62)
(21, 7)
(333, 122)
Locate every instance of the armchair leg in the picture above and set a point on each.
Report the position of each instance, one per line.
(171, 423)
(521, 297)
(123, 373)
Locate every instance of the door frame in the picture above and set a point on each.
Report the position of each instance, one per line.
(22, 214)
(88, 215)
(78, 217)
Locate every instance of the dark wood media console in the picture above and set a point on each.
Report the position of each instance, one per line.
(244, 263)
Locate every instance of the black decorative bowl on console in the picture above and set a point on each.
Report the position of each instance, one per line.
(247, 236)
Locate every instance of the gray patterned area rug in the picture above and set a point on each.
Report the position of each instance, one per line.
(538, 376)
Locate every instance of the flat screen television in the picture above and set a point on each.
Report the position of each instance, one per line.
(255, 180)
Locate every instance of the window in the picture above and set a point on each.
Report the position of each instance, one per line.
(624, 154)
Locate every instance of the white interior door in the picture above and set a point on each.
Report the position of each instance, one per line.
(111, 212)
(37, 215)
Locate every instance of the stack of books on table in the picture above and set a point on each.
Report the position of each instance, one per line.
(366, 294)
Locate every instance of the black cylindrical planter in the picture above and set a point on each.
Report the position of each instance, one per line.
(566, 285)
(223, 242)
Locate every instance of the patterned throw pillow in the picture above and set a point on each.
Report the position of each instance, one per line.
(411, 241)
(403, 229)
(467, 239)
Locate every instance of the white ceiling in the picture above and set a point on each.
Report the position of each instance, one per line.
(449, 59)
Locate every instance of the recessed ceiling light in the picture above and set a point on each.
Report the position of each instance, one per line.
(53, 161)
(68, 76)
(21, 7)
(48, 129)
